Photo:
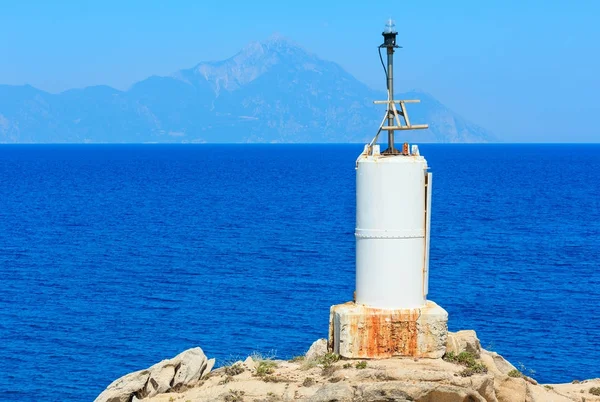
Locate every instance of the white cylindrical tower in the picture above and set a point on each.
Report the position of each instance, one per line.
(391, 220)
(390, 315)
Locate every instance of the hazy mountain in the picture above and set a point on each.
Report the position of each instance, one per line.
(273, 91)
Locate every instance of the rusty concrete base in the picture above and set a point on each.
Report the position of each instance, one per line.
(361, 332)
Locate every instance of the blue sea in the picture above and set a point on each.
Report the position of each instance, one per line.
(113, 257)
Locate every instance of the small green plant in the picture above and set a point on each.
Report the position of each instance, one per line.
(450, 357)
(361, 365)
(467, 359)
(595, 391)
(527, 372)
(548, 387)
(347, 365)
(297, 359)
(235, 396)
(325, 361)
(477, 368)
(464, 358)
(234, 370)
(515, 374)
(257, 356)
(328, 359)
(265, 367)
(171, 399)
(308, 382)
(272, 378)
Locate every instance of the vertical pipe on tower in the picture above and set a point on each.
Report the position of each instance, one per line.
(390, 85)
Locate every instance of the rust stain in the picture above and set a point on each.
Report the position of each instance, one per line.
(375, 333)
(371, 333)
(405, 150)
(386, 333)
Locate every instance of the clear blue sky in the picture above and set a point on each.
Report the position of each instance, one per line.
(528, 70)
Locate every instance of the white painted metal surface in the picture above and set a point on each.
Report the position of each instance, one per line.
(391, 224)
(428, 188)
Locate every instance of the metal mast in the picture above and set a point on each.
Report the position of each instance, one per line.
(392, 114)
(389, 42)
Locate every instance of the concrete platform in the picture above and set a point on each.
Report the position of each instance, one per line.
(361, 332)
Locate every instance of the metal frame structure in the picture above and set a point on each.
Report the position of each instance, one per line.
(392, 114)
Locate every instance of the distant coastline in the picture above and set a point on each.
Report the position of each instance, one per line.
(272, 91)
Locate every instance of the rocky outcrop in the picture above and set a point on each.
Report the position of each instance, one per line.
(123, 389)
(176, 374)
(320, 376)
(317, 349)
(463, 341)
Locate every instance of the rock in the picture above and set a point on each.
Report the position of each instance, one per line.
(542, 394)
(159, 380)
(435, 392)
(511, 389)
(192, 366)
(400, 391)
(122, 389)
(496, 363)
(180, 372)
(530, 380)
(210, 363)
(463, 341)
(450, 393)
(572, 391)
(338, 392)
(316, 350)
(382, 380)
(432, 327)
(386, 391)
(249, 363)
(484, 385)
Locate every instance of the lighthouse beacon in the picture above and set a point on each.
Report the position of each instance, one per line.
(391, 315)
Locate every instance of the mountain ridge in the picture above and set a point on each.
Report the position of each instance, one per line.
(269, 91)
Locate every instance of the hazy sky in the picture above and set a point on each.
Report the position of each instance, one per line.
(527, 70)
